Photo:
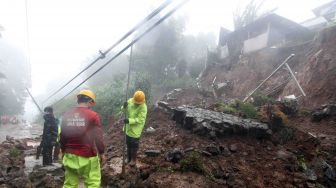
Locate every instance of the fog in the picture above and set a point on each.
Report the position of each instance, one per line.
(56, 39)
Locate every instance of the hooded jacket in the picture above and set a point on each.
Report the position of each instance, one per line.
(137, 117)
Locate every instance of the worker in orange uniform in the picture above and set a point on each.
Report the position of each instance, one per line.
(136, 109)
(81, 136)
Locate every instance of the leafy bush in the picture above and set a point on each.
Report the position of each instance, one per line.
(14, 152)
(226, 108)
(260, 99)
(247, 109)
(193, 162)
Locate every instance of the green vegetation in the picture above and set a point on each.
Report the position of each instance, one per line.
(227, 108)
(260, 99)
(163, 60)
(14, 79)
(247, 109)
(239, 108)
(304, 112)
(193, 162)
(302, 163)
(14, 152)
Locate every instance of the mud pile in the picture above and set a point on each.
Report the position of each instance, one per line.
(12, 163)
(172, 156)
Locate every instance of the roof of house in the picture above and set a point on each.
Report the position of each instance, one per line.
(325, 9)
(282, 24)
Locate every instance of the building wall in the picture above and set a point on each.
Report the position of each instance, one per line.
(223, 51)
(256, 43)
(276, 37)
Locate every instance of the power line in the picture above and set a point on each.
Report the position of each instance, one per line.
(103, 54)
(129, 45)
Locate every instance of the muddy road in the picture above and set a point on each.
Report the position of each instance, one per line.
(20, 131)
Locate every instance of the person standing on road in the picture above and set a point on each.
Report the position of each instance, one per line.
(49, 135)
(81, 136)
(136, 110)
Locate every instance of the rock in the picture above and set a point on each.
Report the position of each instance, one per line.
(150, 130)
(164, 106)
(152, 153)
(175, 155)
(284, 155)
(310, 175)
(212, 134)
(189, 150)
(323, 112)
(21, 182)
(21, 146)
(52, 175)
(225, 151)
(213, 150)
(233, 147)
(9, 138)
(290, 105)
(310, 185)
(329, 171)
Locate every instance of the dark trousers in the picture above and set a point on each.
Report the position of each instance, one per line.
(47, 155)
(132, 148)
(57, 149)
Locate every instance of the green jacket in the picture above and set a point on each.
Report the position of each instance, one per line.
(137, 117)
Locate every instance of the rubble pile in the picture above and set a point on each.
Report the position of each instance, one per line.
(12, 164)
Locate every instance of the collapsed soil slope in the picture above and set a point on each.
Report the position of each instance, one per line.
(230, 161)
(314, 62)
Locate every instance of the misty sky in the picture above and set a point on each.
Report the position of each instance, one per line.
(64, 33)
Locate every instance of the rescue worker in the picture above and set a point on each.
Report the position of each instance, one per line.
(81, 136)
(57, 145)
(49, 135)
(135, 121)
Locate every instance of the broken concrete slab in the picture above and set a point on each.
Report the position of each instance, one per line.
(203, 122)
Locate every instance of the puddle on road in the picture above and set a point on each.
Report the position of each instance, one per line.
(20, 131)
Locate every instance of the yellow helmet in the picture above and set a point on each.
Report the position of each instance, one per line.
(88, 93)
(139, 97)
